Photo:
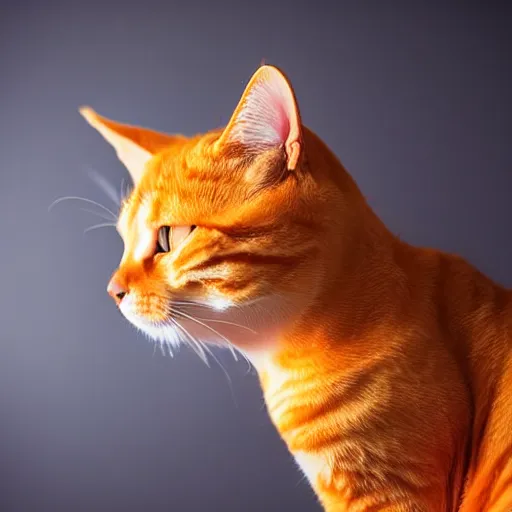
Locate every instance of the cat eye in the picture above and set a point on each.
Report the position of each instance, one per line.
(169, 237)
(163, 239)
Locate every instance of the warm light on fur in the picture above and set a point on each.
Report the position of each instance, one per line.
(386, 368)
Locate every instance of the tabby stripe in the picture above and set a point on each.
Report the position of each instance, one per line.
(345, 395)
(247, 258)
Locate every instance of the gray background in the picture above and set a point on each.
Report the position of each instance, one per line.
(414, 100)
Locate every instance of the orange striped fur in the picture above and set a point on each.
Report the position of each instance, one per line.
(385, 367)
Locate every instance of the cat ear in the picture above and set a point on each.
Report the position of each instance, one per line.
(267, 116)
(134, 145)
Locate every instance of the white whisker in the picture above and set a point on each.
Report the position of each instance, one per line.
(195, 345)
(105, 186)
(214, 357)
(97, 226)
(227, 323)
(209, 306)
(99, 214)
(162, 346)
(125, 189)
(211, 329)
(84, 199)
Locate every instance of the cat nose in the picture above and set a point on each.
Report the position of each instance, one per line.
(116, 290)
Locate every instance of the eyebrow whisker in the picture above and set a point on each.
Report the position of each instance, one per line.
(85, 200)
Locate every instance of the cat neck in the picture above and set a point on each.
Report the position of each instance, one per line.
(365, 293)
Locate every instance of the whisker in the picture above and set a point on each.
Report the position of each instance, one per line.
(162, 346)
(209, 306)
(202, 304)
(105, 186)
(214, 357)
(99, 214)
(227, 323)
(78, 198)
(167, 344)
(97, 226)
(163, 343)
(224, 371)
(125, 189)
(194, 344)
(190, 317)
(240, 307)
(211, 329)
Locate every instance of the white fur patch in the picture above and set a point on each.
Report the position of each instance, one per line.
(314, 466)
(145, 236)
(220, 304)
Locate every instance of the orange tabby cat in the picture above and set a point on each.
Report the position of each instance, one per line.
(386, 368)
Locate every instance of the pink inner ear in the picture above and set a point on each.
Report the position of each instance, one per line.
(268, 115)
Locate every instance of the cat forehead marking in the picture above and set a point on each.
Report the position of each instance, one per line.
(138, 235)
(145, 236)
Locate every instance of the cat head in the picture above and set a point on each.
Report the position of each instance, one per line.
(225, 232)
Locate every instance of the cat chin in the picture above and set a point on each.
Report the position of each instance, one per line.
(160, 332)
